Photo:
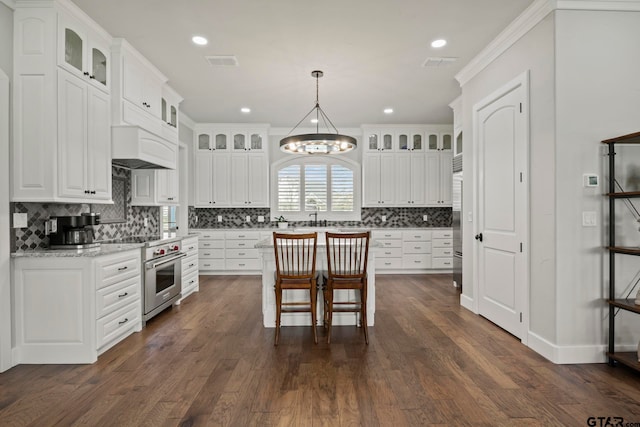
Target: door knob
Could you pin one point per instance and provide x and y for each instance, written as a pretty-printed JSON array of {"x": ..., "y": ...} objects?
[{"x": 479, "y": 237}]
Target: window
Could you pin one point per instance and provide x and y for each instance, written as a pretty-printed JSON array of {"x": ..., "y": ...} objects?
[
  {"x": 168, "y": 222},
  {"x": 326, "y": 185}
]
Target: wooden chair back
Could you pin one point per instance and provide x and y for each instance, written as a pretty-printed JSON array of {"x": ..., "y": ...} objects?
[
  {"x": 347, "y": 255},
  {"x": 295, "y": 255}
]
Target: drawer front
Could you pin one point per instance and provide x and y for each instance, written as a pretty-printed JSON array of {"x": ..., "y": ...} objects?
[
  {"x": 118, "y": 324},
  {"x": 416, "y": 261},
  {"x": 111, "y": 298},
  {"x": 442, "y": 234},
  {"x": 241, "y": 244},
  {"x": 243, "y": 264},
  {"x": 388, "y": 263},
  {"x": 211, "y": 254},
  {"x": 442, "y": 263},
  {"x": 114, "y": 270},
  {"x": 190, "y": 245},
  {"x": 211, "y": 235},
  {"x": 441, "y": 252},
  {"x": 416, "y": 247},
  {"x": 416, "y": 235},
  {"x": 442, "y": 243},
  {"x": 210, "y": 264},
  {"x": 189, "y": 265},
  {"x": 211, "y": 244},
  {"x": 390, "y": 243},
  {"x": 389, "y": 253},
  {"x": 189, "y": 282},
  {"x": 242, "y": 235},
  {"x": 386, "y": 234},
  {"x": 242, "y": 253}
]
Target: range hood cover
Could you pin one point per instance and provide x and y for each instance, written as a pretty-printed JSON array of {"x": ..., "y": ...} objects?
[{"x": 136, "y": 148}]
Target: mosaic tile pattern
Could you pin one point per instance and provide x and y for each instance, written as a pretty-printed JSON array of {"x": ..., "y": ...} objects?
[
  {"x": 371, "y": 217},
  {"x": 33, "y": 236}
]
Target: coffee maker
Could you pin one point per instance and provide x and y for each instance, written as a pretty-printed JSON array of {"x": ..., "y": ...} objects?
[{"x": 73, "y": 232}]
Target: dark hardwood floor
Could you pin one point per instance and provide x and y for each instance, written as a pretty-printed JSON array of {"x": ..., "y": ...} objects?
[{"x": 210, "y": 362}]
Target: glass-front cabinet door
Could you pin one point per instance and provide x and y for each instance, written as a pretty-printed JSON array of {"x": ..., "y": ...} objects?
[
  {"x": 447, "y": 141},
  {"x": 239, "y": 142},
  {"x": 387, "y": 141},
  {"x": 432, "y": 141},
  {"x": 221, "y": 141},
  {"x": 82, "y": 55},
  {"x": 256, "y": 142},
  {"x": 204, "y": 142}
]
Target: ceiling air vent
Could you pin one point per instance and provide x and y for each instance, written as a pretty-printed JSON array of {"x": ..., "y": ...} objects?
[
  {"x": 438, "y": 62},
  {"x": 222, "y": 60}
]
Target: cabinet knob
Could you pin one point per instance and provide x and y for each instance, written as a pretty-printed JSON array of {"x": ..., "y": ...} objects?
[
  {"x": 93, "y": 192},
  {"x": 85, "y": 73},
  {"x": 92, "y": 77}
]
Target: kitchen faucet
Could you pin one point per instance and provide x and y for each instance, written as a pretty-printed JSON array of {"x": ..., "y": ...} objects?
[{"x": 314, "y": 223}]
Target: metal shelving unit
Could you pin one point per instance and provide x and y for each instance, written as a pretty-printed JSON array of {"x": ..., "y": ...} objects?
[{"x": 629, "y": 359}]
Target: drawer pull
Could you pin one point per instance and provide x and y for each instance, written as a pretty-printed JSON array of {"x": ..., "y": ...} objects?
[
  {"x": 124, "y": 321},
  {"x": 417, "y": 247},
  {"x": 241, "y": 253},
  {"x": 447, "y": 263},
  {"x": 241, "y": 236},
  {"x": 192, "y": 282},
  {"x": 240, "y": 244},
  {"x": 123, "y": 295},
  {"x": 387, "y": 243},
  {"x": 387, "y": 235},
  {"x": 387, "y": 253},
  {"x": 418, "y": 237},
  {"x": 207, "y": 253},
  {"x": 387, "y": 263},
  {"x": 418, "y": 262},
  {"x": 206, "y": 244},
  {"x": 122, "y": 268},
  {"x": 241, "y": 265},
  {"x": 191, "y": 248},
  {"x": 191, "y": 265}
]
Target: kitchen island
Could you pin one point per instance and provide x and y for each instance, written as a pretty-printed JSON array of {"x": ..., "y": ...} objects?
[{"x": 267, "y": 255}]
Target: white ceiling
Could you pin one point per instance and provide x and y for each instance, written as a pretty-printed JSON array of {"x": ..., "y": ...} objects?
[{"x": 371, "y": 52}]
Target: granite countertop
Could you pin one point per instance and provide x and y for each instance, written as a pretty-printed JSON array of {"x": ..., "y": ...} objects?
[
  {"x": 319, "y": 228},
  {"x": 103, "y": 249}
]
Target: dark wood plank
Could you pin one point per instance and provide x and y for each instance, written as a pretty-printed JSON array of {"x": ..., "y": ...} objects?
[{"x": 209, "y": 362}]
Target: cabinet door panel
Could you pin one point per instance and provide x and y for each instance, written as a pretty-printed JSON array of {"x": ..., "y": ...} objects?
[
  {"x": 203, "y": 181},
  {"x": 99, "y": 145},
  {"x": 433, "y": 178},
  {"x": 72, "y": 134},
  {"x": 418, "y": 179},
  {"x": 446, "y": 178},
  {"x": 387, "y": 179},
  {"x": 403, "y": 179},
  {"x": 258, "y": 185},
  {"x": 239, "y": 180},
  {"x": 220, "y": 176},
  {"x": 371, "y": 180}
]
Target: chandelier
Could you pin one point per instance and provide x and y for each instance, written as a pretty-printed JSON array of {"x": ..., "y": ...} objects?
[{"x": 317, "y": 143}]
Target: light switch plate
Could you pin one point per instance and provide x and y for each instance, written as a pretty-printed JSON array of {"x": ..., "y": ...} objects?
[
  {"x": 219, "y": 218},
  {"x": 248, "y": 218},
  {"x": 383, "y": 218},
  {"x": 260, "y": 218},
  {"x": 19, "y": 220},
  {"x": 425, "y": 217},
  {"x": 146, "y": 222},
  {"x": 589, "y": 219}
]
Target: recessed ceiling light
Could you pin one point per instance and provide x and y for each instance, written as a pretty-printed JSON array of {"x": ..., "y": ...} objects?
[
  {"x": 245, "y": 110},
  {"x": 388, "y": 110},
  {"x": 199, "y": 40},
  {"x": 314, "y": 120},
  {"x": 438, "y": 43}
]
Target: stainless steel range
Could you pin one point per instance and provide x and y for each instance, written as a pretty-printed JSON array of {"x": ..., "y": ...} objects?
[{"x": 162, "y": 272}]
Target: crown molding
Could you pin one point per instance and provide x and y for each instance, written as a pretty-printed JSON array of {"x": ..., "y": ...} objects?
[
  {"x": 11, "y": 4},
  {"x": 531, "y": 16}
]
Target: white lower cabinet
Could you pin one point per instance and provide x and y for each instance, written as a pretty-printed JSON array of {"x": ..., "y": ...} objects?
[
  {"x": 413, "y": 250},
  {"x": 190, "y": 268},
  {"x": 230, "y": 251},
  {"x": 71, "y": 309}
]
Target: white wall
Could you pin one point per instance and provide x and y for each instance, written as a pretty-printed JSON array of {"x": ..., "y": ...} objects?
[
  {"x": 534, "y": 52},
  {"x": 598, "y": 97}
]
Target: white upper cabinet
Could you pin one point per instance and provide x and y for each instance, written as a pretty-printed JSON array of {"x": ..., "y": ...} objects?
[
  {"x": 157, "y": 187},
  {"x": 61, "y": 150},
  {"x": 377, "y": 140},
  {"x": 169, "y": 112},
  {"x": 83, "y": 52},
  {"x": 411, "y": 141},
  {"x": 248, "y": 141},
  {"x": 439, "y": 141},
  {"x": 378, "y": 183}
]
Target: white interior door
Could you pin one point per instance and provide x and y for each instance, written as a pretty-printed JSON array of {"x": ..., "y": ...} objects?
[{"x": 502, "y": 143}]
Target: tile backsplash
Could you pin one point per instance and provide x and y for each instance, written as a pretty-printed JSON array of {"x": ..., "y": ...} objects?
[
  {"x": 371, "y": 217},
  {"x": 33, "y": 236}
]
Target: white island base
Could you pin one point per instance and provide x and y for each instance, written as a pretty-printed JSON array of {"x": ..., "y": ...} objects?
[{"x": 304, "y": 319}]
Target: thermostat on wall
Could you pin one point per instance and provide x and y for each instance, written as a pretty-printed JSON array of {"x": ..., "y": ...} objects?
[{"x": 590, "y": 180}]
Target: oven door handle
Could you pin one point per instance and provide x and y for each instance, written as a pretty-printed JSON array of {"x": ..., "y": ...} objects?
[{"x": 166, "y": 261}]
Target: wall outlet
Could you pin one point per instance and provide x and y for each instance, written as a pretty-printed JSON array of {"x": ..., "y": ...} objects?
[
  {"x": 383, "y": 218},
  {"x": 248, "y": 218},
  {"x": 425, "y": 217},
  {"x": 589, "y": 219},
  {"x": 19, "y": 220},
  {"x": 146, "y": 222},
  {"x": 260, "y": 218},
  {"x": 219, "y": 218}
]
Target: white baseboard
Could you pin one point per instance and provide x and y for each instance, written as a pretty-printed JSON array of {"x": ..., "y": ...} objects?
[
  {"x": 466, "y": 302},
  {"x": 567, "y": 354}
]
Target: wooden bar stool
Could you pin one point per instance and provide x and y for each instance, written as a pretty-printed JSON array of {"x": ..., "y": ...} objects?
[
  {"x": 347, "y": 255},
  {"x": 295, "y": 269}
]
